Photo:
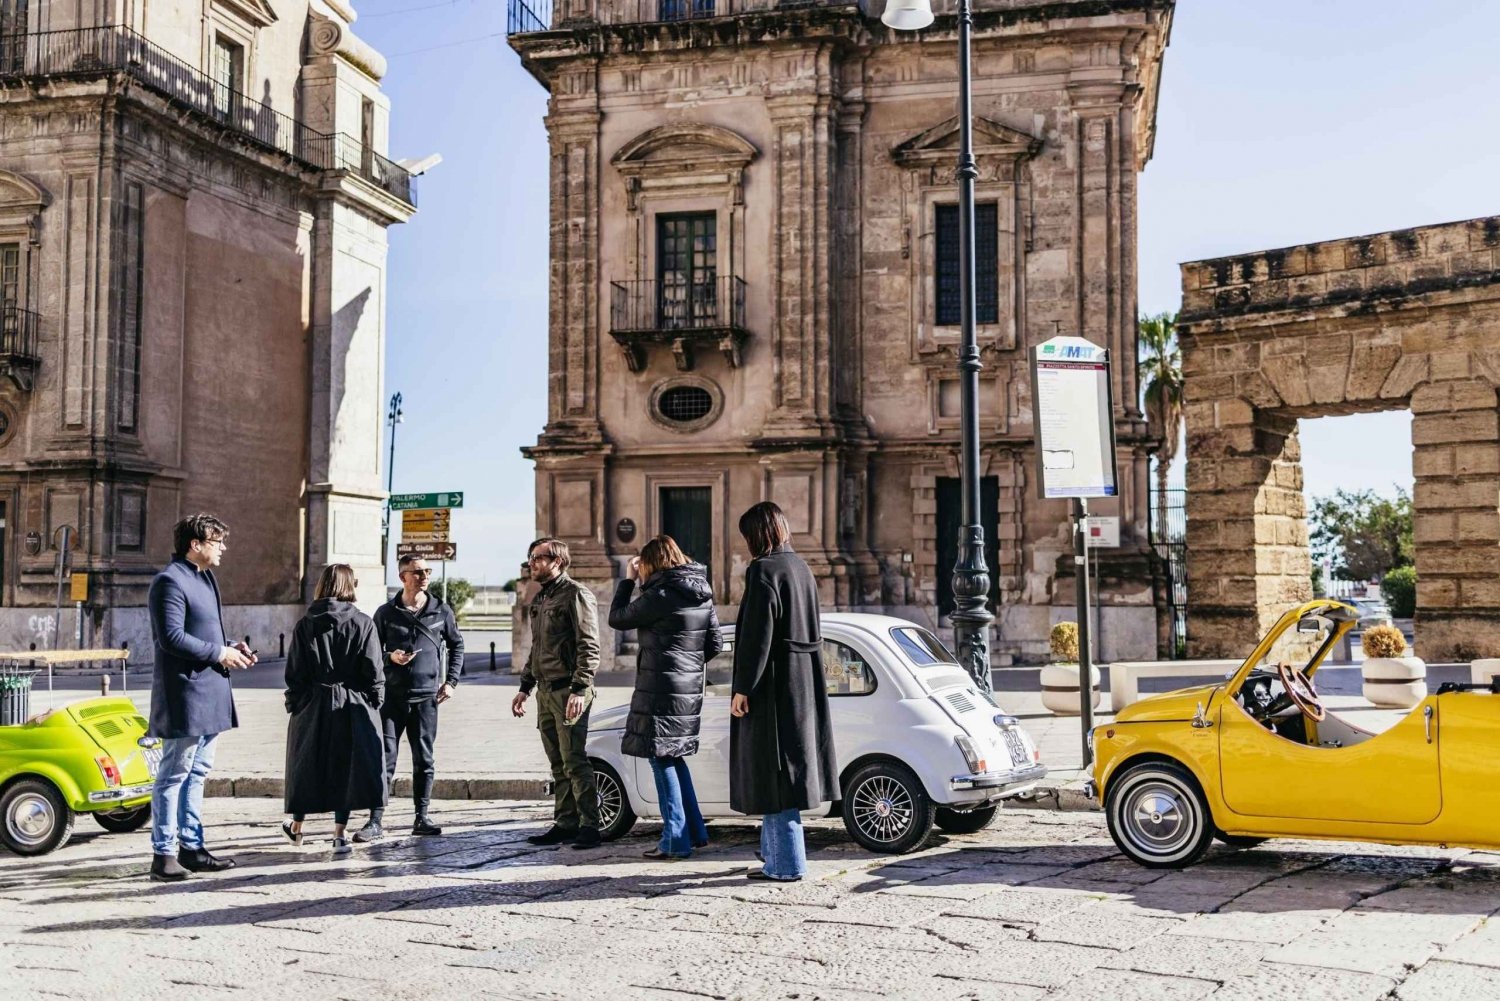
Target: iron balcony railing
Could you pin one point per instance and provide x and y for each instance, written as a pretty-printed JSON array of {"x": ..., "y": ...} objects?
[
  {"x": 524, "y": 16},
  {"x": 17, "y": 332},
  {"x": 668, "y": 305},
  {"x": 521, "y": 17},
  {"x": 115, "y": 49}
]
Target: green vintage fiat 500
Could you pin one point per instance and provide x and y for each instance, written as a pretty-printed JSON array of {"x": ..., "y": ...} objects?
[{"x": 88, "y": 757}]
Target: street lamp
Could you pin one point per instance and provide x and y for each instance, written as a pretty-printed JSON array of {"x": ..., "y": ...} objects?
[
  {"x": 971, "y": 579},
  {"x": 393, "y": 417}
]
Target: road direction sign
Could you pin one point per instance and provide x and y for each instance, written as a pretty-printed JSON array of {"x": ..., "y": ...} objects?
[
  {"x": 435, "y": 551},
  {"x": 429, "y": 520},
  {"x": 418, "y": 502},
  {"x": 442, "y": 536}
]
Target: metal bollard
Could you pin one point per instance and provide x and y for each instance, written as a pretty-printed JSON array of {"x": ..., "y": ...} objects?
[
  {"x": 281, "y": 644},
  {"x": 103, "y": 685},
  {"x": 492, "y": 656}
]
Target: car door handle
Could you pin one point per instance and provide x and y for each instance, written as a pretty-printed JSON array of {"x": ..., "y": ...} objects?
[{"x": 1427, "y": 715}]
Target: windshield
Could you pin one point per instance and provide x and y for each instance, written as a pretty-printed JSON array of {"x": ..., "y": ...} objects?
[{"x": 921, "y": 647}]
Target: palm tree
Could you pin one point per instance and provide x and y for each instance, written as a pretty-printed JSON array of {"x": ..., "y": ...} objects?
[{"x": 1159, "y": 369}]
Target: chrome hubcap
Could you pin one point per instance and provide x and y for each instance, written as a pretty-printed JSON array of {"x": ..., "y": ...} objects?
[
  {"x": 883, "y": 809},
  {"x": 1159, "y": 818},
  {"x": 609, "y": 800},
  {"x": 30, "y": 819}
]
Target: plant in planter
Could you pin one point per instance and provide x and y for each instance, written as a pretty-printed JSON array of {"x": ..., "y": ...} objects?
[
  {"x": 1392, "y": 680},
  {"x": 1060, "y": 678}
]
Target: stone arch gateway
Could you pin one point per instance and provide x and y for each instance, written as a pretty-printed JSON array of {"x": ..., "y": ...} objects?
[{"x": 1404, "y": 319}]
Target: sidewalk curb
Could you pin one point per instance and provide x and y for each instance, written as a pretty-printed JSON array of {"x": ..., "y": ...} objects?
[{"x": 1067, "y": 797}]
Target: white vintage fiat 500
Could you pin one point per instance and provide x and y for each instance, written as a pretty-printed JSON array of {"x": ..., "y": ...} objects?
[{"x": 918, "y": 744}]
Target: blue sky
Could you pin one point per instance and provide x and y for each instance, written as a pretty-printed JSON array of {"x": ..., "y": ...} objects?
[{"x": 1281, "y": 122}]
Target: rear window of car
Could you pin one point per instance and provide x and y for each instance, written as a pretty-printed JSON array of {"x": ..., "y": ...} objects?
[{"x": 921, "y": 647}]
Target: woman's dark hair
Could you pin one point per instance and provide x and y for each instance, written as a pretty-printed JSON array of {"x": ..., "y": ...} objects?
[
  {"x": 764, "y": 527},
  {"x": 662, "y": 553},
  {"x": 337, "y": 582},
  {"x": 196, "y": 528}
]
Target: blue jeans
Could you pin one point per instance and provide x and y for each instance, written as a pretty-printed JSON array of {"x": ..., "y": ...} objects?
[
  {"x": 781, "y": 845},
  {"x": 177, "y": 800},
  {"x": 682, "y": 826}
]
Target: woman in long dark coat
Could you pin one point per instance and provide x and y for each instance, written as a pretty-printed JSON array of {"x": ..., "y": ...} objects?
[
  {"x": 678, "y": 631},
  {"x": 781, "y": 753},
  {"x": 335, "y": 755}
]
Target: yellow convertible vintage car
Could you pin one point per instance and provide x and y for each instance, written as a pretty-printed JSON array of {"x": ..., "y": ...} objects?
[{"x": 1259, "y": 756}]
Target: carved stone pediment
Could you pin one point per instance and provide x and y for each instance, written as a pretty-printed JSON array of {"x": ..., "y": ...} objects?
[
  {"x": 17, "y": 193},
  {"x": 939, "y": 144},
  {"x": 256, "y": 12},
  {"x": 685, "y": 154}
]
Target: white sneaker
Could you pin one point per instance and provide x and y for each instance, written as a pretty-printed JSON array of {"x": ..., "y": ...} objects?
[{"x": 341, "y": 846}]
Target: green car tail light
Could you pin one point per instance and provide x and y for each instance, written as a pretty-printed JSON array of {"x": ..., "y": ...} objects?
[{"x": 108, "y": 769}]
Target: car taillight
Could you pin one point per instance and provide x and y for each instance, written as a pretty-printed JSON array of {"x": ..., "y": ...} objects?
[
  {"x": 108, "y": 769},
  {"x": 971, "y": 753}
]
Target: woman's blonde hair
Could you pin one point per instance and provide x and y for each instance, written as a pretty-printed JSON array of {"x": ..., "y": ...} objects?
[
  {"x": 337, "y": 582},
  {"x": 662, "y": 553}
]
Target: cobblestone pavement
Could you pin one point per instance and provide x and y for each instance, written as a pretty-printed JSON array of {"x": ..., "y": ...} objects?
[{"x": 1039, "y": 906}]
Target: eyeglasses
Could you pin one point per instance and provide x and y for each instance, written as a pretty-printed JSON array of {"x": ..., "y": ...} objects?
[
  {"x": 418, "y": 573},
  {"x": 214, "y": 542},
  {"x": 542, "y": 557}
]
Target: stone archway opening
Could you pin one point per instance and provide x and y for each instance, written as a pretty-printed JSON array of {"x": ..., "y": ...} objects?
[{"x": 1398, "y": 320}]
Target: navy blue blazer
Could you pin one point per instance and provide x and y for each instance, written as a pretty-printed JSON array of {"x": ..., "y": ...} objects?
[{"x": 191, "y": 695}]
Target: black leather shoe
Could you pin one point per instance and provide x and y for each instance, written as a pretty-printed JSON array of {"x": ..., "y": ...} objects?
[
  {"x": 166, "y": 869},
  {"x": 760, "y": 875},
  {"x": 553, "y": 836},
  {"x": 372, "y": 831},
  {"x": 425, "y": 828},
  {"x": 200, "y": 860},
  {"x": 588, "y": 837}
]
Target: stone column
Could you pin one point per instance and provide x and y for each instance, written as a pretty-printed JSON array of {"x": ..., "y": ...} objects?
[
  {"x": 1456, "y": 463},
  {"x": 1247, "y": 525}
]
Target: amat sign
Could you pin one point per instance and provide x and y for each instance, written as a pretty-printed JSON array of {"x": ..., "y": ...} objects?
[
  {"x": 1073, "y": 413},
  {"x": 418, "y": 502}
]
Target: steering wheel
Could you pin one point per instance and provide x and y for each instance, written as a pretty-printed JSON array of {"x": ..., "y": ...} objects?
[{"x": 1299, "y": 688}]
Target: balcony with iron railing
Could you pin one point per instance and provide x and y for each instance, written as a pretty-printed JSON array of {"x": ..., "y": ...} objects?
[
  {"x": 18, "y": 348},
  {"x": 687, "y": 315},
  {"x": 89, "y": 52},
  {"x": 526, "y": 16}
]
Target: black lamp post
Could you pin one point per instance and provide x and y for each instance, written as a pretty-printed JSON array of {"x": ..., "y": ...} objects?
[
  {"x": 393, "y": 417},
  {"x": 971, "y": 578}
]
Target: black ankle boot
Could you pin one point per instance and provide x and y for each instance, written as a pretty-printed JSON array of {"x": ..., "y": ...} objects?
[
  {"x": 166, "y": 869},
  {"x": 200, "y": 860}
]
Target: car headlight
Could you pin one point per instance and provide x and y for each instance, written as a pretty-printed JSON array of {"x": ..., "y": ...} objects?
[{"x": 970, "y": 751}]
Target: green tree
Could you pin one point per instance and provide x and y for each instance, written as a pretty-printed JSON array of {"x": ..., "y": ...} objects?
[
  {"x": 457, "y": 594},
  {"x": 509, "y": 587},
  {"x": 1400, "y": 591},
  {"x": 1362, "y": 535},
  {"x": 1159, "y": 368}
]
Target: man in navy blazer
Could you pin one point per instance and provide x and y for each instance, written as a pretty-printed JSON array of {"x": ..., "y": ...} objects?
[{"x": 192, "y": 701}]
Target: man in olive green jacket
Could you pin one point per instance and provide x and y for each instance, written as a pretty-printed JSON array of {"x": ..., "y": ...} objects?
[{"x": 564, "y": 657}]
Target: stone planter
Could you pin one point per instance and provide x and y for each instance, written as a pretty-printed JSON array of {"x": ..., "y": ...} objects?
[
  {"x": 1394, "y": 682},
  {"x": 1060, "y": 688}
]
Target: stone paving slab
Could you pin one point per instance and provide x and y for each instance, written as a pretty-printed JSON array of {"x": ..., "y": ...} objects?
[{"x": 1038, "y": 906}]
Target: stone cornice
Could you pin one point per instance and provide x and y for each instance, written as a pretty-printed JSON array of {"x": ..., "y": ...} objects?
[
  {"x": 351, "y": 189},
  {"x": 991, "y": 139}
]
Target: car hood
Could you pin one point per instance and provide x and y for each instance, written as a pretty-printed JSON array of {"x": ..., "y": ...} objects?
[
  {"x": 1178, "y": 705},
  {"x": 609, "y": 719}
]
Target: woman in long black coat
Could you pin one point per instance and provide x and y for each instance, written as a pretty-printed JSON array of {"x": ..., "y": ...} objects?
[
  {"x": 782, "y": 760},
  {"x": 335, "y": 755},
  {"x": 678, "y": 631}
]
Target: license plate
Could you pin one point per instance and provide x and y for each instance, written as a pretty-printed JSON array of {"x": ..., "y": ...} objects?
[
  {"x": 1016, "y": 746},
  {"x": 153, "y": 760}
]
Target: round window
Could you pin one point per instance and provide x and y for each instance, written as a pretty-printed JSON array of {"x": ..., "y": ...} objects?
[{"x": 685, "y": 404}]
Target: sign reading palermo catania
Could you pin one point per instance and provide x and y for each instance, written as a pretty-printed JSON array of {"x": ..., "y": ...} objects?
[
  {"x": 419, "y": 502},
  {"x": 1072, "y": 404}
]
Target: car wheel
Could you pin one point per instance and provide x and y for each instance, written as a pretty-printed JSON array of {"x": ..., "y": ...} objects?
[
  {"x": 964, "y": 823},
  {"x": 616, "y": 818},
  {"x": 1238, "y": 840},
  {"x": 124, "y": 821},
  {"x": 1158, "y": 817},
  {"x": 34, "y": 819},
  {"x": 886, "y": 809}
]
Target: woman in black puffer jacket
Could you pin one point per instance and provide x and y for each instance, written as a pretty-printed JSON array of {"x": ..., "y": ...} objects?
[{"x": 678, "y": 630}]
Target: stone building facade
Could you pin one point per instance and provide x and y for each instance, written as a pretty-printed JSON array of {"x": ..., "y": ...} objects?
[
  {"x": 193, "y": 216},
  {"x": 1399, "y": 320},
  {"x": 754, "y": 286}
]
